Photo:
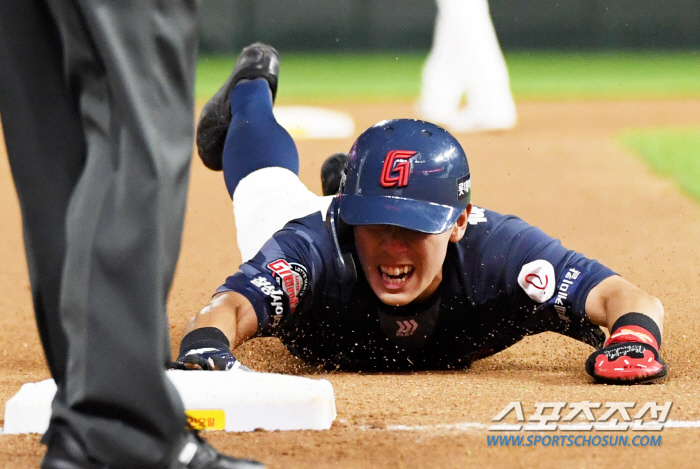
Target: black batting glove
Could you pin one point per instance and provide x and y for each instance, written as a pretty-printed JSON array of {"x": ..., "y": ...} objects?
[{"x": 206, "y": 348}]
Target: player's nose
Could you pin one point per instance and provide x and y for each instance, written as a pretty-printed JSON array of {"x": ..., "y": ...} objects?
[{"x": 394, "y": 241}]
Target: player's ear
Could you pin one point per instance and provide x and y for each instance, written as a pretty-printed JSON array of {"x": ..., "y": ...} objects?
[{"x": 460, "y": 226}]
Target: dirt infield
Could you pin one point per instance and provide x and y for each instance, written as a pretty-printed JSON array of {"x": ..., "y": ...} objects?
[{"x": 561, "y": 170}]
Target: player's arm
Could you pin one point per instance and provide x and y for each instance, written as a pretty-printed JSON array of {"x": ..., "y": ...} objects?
[
  {"x": 614, "y": 297},
  {"x": 231, "y": 313},
  {"x": 259, "y": 298},
  {"x": 635, "y": 322},
  {"x": 208, "y": 338}
]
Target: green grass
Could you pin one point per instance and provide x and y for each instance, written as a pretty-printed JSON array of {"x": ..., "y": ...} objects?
[
  {"x": 366, "y": 77},
  {"x": 671, "y": 152},
  {"x": 605, "y": 75},
  {"x": 392, "y": 77}
]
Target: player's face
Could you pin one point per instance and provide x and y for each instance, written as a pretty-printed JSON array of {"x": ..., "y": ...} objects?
[{"x": 403, "y": 265}]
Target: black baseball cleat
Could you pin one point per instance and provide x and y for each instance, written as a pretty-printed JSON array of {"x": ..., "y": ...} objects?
[
  {"x": 256, "y": 61},
  {"x": 66, "y": 451},
  {"x": 332, "y": 173},
  {"x": 198, "y": 454}
]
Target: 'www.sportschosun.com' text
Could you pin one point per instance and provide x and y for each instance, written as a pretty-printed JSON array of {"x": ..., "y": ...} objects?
[{"x": 573, "y": 440}]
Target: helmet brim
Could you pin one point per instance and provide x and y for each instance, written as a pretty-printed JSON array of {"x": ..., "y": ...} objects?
[{"x": 417, "y": 215}]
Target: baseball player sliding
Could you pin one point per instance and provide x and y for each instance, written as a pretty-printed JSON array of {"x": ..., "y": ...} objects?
[{"x": 397, "y": 271}]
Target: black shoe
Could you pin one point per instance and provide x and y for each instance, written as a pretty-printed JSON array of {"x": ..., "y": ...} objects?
[
  {"x": 66, "y": 451},
  {"x": 256, "y": 61},
  {"x": 198, "y": 454},
  {"x": 332, "y": 172}
]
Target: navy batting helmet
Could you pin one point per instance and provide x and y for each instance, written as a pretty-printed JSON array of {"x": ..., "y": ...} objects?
[{"x": 407, "y": 173}]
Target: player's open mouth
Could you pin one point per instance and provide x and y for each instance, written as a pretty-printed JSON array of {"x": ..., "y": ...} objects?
[{"x": 395, "y": 275}]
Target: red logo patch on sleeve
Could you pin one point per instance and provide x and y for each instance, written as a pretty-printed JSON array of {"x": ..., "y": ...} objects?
[{"x": 292, "y": 277}]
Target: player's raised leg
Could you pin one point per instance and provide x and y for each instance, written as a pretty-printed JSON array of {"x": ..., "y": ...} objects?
[
  {"x": 258, "y": 156},
  {"x": 255, "y": 140},
  {"x": 256, "y": 61}
]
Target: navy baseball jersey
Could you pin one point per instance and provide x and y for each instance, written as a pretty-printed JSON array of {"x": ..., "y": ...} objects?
[{"x": 503, "y": 281}]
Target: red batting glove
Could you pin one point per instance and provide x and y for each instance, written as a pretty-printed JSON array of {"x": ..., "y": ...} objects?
[{"x": 631, "y": 354}]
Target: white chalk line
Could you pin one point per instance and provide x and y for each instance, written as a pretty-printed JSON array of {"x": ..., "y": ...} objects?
[
  {"x": 471, "y": 426},
  {"x": 682, "y": 424}
]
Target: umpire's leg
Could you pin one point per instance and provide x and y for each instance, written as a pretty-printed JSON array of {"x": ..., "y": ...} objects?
[
  {"x": 131, "y": 67},
  {"x": 134, "y": 63},
  {"x": 46, "y": 149}
]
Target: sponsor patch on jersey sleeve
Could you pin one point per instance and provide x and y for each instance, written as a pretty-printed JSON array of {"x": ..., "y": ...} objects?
[
  {"x": 536, "y": 278},
  {"x": 293, "y": 278},
  {"x": 274, "y": 299},
  {"x": 478, "y": 215}
]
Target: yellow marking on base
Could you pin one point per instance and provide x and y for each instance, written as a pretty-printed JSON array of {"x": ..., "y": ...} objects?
[{"x": 209, "y": 419}]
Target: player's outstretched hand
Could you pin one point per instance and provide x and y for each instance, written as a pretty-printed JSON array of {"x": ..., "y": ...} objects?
[
  {"x": 206, "y": 348},
  {"x": 207, "y": 358},
  {"x": 630, "y": 356}
]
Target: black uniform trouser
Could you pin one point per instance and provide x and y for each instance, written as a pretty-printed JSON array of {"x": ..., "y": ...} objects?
[{"x": 96, "y": 102}]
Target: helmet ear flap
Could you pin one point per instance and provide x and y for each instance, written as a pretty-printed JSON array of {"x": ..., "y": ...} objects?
[
  {"x": 343, "y": 262},
  {"x": 347, "y": 271}
]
